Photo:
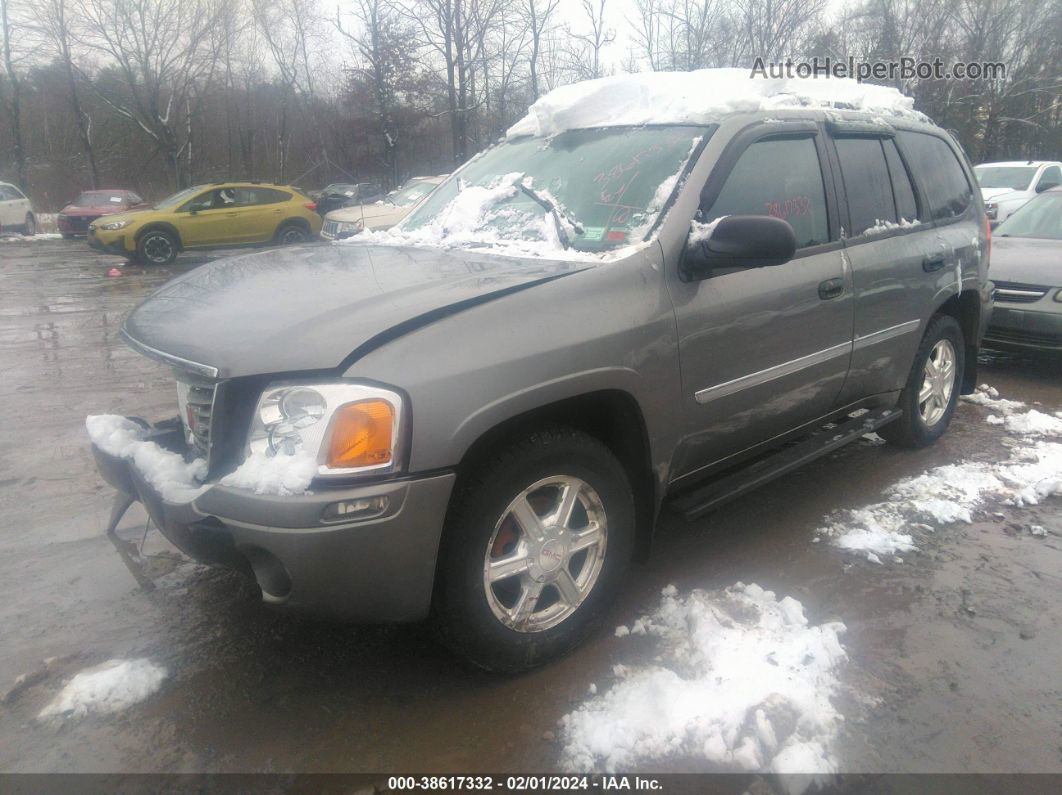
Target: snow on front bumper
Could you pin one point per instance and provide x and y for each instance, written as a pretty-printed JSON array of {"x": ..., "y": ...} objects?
[{"x": 266, "y": 520}]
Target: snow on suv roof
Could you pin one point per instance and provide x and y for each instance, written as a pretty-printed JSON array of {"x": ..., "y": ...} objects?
[
  {"x": 698, "y": 97},
  {"x": 1030, "y": 163}
]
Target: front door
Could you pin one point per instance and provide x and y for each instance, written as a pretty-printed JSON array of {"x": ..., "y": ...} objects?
[
  {"x": 210, "y": 219},
  {"x": 765, "y": 350}
]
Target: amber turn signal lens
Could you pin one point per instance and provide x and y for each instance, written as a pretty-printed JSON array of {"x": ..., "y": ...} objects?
[{"x": 361, "y": 435}]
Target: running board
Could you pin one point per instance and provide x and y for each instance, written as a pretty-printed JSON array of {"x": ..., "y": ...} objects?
[{"x": 696, "y": 503}]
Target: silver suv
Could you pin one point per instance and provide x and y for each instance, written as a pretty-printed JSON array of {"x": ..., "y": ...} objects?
[{"x": 478, "y": 417}]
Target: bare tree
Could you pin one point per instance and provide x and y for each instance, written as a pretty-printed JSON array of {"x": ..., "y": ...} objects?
[
  {"x": 55, "y": 26},
  {"x": 12, "y": 91},
  {"x": 163, "y": 50},
  {"x": 586, "y": 52},
  {"x": 538, "y": 15}
]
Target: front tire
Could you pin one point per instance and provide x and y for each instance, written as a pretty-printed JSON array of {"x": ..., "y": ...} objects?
[
  {"x": 156, "y": 247},
  {"x": 536, "y": 540},
  {"x": 929, "y": 398}
]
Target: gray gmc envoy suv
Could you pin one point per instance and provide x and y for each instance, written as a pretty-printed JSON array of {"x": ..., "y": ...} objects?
[{"x": 485, "y": 410}]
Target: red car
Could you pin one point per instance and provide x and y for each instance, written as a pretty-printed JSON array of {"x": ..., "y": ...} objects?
[{"x": 74, "y": 219}]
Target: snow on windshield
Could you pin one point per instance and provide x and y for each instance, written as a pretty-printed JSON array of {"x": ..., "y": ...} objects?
[
  {"x": 581, "y": 194},
  {"x": 698, "y": 97}
]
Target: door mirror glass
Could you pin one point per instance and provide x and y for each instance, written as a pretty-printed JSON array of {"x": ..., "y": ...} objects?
[{"x": 738, "y": 242}]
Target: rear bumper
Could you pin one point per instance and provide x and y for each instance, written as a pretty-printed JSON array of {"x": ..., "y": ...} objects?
[
  {"x": 376, "y": 570},
  {"x": 1024, "y": 329}
]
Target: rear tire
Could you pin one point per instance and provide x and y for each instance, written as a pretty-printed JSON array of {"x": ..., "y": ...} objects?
[
  {"x": 929, "y": 398},
  {"x": 291, "y": 234},
  {"x": 564, "y": 572},
  {"x": 156, "y": 247},
  {"x": 29, "y": 228}
]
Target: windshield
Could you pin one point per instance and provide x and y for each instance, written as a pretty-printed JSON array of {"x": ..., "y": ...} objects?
[
  {"x": 411, "y": 193},
  {"x": 98, "y": 198},
  {"x": 594, "y": 190},
  {"x": 340, "y": 189},
  {"x": 180, "y": 197},
  {"x": 1041, "y": 217},
  {"x": 1012, "y": 177}
]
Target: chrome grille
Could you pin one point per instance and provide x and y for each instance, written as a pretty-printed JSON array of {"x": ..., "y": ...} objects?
[
  {"x": 330, "y": 228},
  {"x": 1018, "y": 293},
  {"x": 195, "y": 398}
]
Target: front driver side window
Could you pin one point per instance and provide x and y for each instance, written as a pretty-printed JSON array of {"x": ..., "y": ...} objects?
[
  {"x": 204, "y": 201},
  {"x": 1051, "y": 177},
  {"x": 779, "y": 177}
]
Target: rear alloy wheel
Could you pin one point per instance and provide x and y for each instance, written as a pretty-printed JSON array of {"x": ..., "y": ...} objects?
[
  {"x": 29, "y": 229},
  {"x": 291, "y": 234},
  {"x": 156, "y": 247},
  {"x": 928, "y": 399},
  {"x": 536, "y": 540}
]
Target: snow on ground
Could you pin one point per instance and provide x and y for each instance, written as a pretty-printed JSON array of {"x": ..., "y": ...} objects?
[
  {"x": 698, "y": 97},
  {"x": 180, "y": 481},
  {"x": 954, "y": 492},
  {"x": 174, "y": 478},
  {"x": 7, "y": 237},
  {"x": 739, "y": 679},
  {"x": 111, "y": 687}
]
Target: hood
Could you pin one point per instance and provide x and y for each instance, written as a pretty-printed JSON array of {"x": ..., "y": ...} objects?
[
  {"x": 1028, "y": 260},
  {"x": 370, "y": 212},
  {"x": 102, "y": 209},
  {"x": 1001, "y": 194},
  {"x": 313, "y": 307}
]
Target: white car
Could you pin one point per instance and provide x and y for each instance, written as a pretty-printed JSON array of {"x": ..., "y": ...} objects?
[
  {"x": 349, "y": 221},
  {"x": 1007, "y": 186},
  {"x": 16, "y": 213}
]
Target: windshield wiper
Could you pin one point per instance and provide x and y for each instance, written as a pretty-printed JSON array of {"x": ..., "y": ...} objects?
[{"x": 559, "y": 218}]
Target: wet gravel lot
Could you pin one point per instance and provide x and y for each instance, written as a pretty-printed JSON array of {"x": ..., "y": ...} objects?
[{"x": 953, "y": 654}]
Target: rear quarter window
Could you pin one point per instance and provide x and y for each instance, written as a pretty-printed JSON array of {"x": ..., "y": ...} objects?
[{"x": 948, "y": 193}]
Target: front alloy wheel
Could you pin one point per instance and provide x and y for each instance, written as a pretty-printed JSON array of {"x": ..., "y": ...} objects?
[
  {"x": 537, "y": 537},
  {"x": 545, "y": 554},
  {"x": 157, "y": 248}
]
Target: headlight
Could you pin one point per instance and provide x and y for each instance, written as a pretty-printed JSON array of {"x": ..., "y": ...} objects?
[
  {"x": 114, "y": 225},
  {"x": 348, "y": 428},
  {"x": 349, "y": 228},
  {"x": 1058, "y": 296},
  {"x": 991, "y": 209}
]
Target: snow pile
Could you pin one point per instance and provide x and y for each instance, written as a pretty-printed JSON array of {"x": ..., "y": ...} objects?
[
  {"x": 172, "y": 477},
  {"x": 283, "y": 475},
  {"x": 698, "y": 97},
  {"x": 111, "y": 687},
  {"x": 883, "y": 226},
  {"x": 741, "y": 680},
  {"x": 945, "y": 495},
  {"x": 8, "y": 238},
  {"x": 1011, "y": 416}
]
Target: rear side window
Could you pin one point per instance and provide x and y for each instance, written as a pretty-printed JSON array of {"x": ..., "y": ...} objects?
[
  {"x": 902, "y": 190},
  {"x": 247, "y": 197},
  {"x": 1051, "y": 177},
  {"x": 780, "y": 177},
  {"x": 866, "y": 184},
  {"x": 947, "y": 191}
]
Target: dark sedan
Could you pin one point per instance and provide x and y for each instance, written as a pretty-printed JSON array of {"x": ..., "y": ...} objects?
[{"x": 1027, "y": 271}]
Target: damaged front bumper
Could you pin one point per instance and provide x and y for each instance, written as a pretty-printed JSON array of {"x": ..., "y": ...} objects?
[{"x": 301, "y": 551}]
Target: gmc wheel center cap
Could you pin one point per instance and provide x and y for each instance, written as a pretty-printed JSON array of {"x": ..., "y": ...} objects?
[{"x": 551, "y": 556}]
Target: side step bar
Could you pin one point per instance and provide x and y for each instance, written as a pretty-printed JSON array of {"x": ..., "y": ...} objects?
[{"x": 696, "y": 503}]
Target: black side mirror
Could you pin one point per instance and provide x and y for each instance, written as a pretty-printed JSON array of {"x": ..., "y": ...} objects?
[
  {"x": 738, "y": 241},
  {"x": 1042, "y": 186}
]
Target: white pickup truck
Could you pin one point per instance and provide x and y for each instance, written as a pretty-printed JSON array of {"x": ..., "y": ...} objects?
[{"x": 1007, "y": 186}]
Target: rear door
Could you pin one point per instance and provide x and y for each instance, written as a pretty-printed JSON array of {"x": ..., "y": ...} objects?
[
  {"x": 260, "y": 211},
  {"x": 886, "y": 244},
  {"x": 765, "y": 350}
]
